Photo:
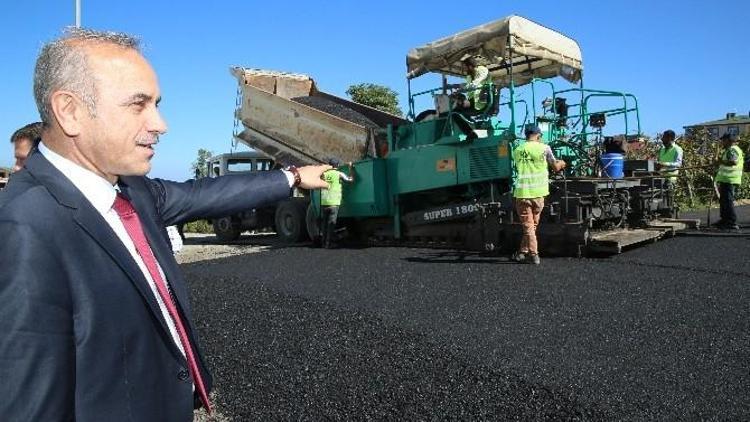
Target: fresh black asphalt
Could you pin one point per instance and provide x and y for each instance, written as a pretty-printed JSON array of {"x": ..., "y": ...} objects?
[{"x": 656, "y": 333}]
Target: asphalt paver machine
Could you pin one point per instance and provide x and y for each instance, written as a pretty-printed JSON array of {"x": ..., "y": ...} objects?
[{"x": 444, "y": 177}]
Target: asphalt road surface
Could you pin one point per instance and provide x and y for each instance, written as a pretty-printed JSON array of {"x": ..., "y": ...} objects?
[{"x": 656, "y": 333}]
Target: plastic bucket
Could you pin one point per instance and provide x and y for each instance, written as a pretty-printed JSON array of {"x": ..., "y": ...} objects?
[{"x": 612, "y": 165}]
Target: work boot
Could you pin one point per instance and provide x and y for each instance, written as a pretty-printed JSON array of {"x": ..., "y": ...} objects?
[
  {"x": 518, "y": 257},
  {"x": 533, "y": 259}
]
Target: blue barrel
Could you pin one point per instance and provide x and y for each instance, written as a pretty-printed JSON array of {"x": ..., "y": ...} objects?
[{"x": 612, "y": 165}]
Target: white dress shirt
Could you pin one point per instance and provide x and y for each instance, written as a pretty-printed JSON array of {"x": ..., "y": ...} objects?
[{"x": 101, "y": 194}]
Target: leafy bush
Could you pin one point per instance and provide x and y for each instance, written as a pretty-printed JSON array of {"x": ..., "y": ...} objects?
[{"x": 199, "y": 226}]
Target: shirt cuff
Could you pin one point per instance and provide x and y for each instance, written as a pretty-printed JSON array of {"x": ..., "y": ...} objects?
[{"x": 289, "y": 177}]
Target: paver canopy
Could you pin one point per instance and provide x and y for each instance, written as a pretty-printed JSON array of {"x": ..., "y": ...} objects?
[{"x": 535, "y": 51}]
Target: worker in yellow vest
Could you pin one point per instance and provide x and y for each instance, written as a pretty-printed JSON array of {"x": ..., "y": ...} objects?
[
  {"x": 476, "y": 78},
  {"x": 728, "y": 179},
  {"x": 532, "y": 160},
  {"x": 669, "y": 159},
  {"x": 330, "y": 199},
  {"x": 472, "y": 97}
]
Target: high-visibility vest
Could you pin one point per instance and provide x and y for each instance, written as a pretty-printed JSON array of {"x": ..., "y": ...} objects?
[
  {"x": 731, "y": 174},
  {"x": 332, "y": 195},
  {"x": 669, "y": 155},
  {"x": 532, "y": 174}
]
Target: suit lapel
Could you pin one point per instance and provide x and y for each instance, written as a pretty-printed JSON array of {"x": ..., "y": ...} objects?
[
  {"x": 89, "y": 219},
  {"x": 100, "y": 232}
]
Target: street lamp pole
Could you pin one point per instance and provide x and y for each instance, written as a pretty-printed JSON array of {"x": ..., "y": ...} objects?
[{"x": 78, "y": 13}]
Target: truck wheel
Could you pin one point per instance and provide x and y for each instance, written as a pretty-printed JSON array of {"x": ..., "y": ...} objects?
[
  {"x": 227, "y": 229},
  {"x": 313, "y": 225},
  {"x": 290, "y": 221}
]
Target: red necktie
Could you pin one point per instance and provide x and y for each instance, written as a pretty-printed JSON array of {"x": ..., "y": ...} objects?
[{"x": 132, "y": 224}]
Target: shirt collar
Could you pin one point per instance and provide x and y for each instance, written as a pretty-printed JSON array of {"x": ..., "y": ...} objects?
[{"x": 95, "y": 188}]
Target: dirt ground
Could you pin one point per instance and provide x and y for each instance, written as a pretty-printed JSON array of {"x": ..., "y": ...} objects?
[{"x": 202, "y": 247}]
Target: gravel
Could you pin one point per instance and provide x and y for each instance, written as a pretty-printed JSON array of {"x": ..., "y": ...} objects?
[
  {"x": 657, "y": 333},
  {"x": 336, "y": 109}
]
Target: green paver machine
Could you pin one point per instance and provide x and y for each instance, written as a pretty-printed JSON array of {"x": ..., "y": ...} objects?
[{"x": 444, "y": 177}]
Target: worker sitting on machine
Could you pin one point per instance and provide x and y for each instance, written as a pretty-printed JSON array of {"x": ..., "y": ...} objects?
[{"x": 474, "y": 97}]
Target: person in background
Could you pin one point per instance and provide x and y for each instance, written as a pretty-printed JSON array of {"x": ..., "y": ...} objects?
[
  {"x": 532, "y": 160},
  {"x": 669, "y": 158},
  {"x": 330, "y": 199},
  {"x": 23, "y": 140},
  {"x": 95, "y": 322},
  {"x": 728, "y": 179}
]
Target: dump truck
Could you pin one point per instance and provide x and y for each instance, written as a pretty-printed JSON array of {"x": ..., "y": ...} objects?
[
  {"x": 229, "y": 227},
  {"x": 444, "y": 177},
  {"x": 286, "y": 218}
]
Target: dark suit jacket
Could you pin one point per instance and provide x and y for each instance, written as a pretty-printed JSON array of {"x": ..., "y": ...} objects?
[{"x": 81, "y": 335}]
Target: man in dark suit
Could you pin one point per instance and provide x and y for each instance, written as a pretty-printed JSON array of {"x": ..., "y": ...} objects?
[
  {"x": 23, "y": 141},
  {"x": 95, "y": 322}
]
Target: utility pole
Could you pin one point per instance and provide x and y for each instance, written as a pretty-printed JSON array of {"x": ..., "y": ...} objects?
[{"x": 78, "y": 13}]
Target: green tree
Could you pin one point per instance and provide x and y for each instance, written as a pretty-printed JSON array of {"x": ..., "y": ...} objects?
[
  {"x": 199, "y": 166},
  {"x": 376, "y": 96}
]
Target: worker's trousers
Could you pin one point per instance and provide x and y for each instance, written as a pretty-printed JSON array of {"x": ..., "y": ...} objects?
[
  {"x": 726, "y": 203},
  {"x": 330, "y": 216},
  {"x": 529, "y": 210}
]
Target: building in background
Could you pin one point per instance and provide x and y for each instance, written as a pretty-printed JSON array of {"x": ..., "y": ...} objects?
[{"x": 733, "y": 124}]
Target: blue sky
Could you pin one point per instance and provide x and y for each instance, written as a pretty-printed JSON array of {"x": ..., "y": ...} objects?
[{"x": 686, "y": 61}]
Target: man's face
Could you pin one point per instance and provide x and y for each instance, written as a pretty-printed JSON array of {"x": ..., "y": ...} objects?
[
  {"x": 667, "y": 140},
  {"x": 21, "y": 148},
  {"x": 119, "y": 139}
]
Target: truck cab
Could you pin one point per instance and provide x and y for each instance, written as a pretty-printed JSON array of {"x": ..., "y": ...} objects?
[{"x": 230, "y": 227}]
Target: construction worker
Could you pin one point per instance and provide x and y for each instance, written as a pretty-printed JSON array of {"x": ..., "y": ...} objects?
[
  {"x": 669, "y": 159},
  {"x": 330, "y": 199},
  {"x": 532, "y": 160},
  {"x": 728, "y": 179},
  {"x": 23, "y": 141},
  {"x": 476, "y": 77},
  {"x": 473, "y": 99}
]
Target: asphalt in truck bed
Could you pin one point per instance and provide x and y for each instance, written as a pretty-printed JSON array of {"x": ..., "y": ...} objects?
[{"x": 656, "y": 333}]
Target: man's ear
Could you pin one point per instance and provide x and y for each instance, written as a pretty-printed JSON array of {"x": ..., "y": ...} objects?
[{"x": 69, "y": 111}]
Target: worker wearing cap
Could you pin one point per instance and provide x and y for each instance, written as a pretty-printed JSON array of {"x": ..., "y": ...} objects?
[
  {"x": 474, "y": 98},
  {"x": 728, "y": 179},
  {"x": 532, "y": 160},
  {"x": 330, "y": 199},
  {"x": 477, "y": 76},
  {"x": 669, "y": 157}
]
